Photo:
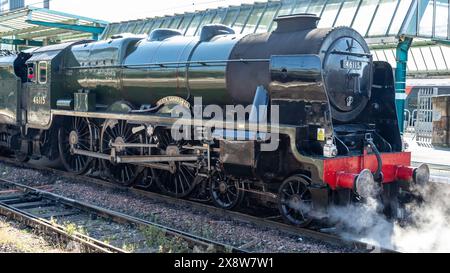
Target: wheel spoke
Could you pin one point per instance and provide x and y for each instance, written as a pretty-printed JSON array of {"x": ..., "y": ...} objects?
[
  {"x": 72, "y": 162},
  {"x": 295, "y": 201},
  {"x": 232, "y": 193},
  {"x": 124, "y": 174},
  {"x": 176, "y": 187},
  {"x": 225, "y": 192},
  {"x": 285, "y": 192},
  {"x": 292, "y": 188}
]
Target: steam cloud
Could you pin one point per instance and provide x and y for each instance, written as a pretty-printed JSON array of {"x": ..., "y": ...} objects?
[{"x": 429, "y": 230}]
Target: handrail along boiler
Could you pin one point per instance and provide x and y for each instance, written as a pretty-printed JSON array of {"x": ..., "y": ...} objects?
[{"x": 108, "y": 105}]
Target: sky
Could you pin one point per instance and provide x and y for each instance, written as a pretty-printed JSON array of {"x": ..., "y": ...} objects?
[{"x": 121, "y": 10}]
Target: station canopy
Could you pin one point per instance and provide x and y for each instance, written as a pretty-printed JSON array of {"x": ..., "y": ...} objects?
[
  {"x": 381, "y": 22},
  {"x": 33, "y": 26}
]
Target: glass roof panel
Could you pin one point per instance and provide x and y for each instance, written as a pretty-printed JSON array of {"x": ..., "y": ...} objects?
[
  {"x": 441, "y": 27},
  {"x": 241, "y": 19},
  {"x": 411, "y": 62},
  {"x": 446, "y": 53},
  {"x": 185, "y": 22},
  {"x": 316, "y": 7},
  {"x": 438, "y": 58},
  {"x": 139, "y": 26},
  {"x": 254, "y": 19},
  {"x": 347, "y": 13},
  {"x": 382, "y": 56},
  {"x": 194, "y": 25},
  {"x": 148, "y": 26},
  {"x": 329, "y": 13},
  {"x": 267, "y": 18},
  {"x": 383, "y": 18},
  {"x": 157, "y": 24},
  {"x": 411, "y": 28},
  {"x": 107, "y": 32},
  {"x": 429, "y": 58},
  {"x": 364, "y": 15},
  {"x": 426, "y": 22},
  {"x": 175, "y": 22},
  {"x": 390, "y": 55},
  {"x": 166, "y": 23},
  {"x": 399, "y": 16},
  {"x": 122, "y": 27},
  {"x": 418, "y": 58},
  {"x": 231, "y": 16},
  {"x": 301, "y": 6},
  {"x": 374, "y": 18},
  {"x": 209, "y": 17},
  {"x": 218, "y": 17},
  {"x": 206, "y": 20},
  {"x": 130, "y": 27},
  {"x": 114, "y": 30},
  {"x": 287, "y": 6},
  {"x": 376, "y": 55}
]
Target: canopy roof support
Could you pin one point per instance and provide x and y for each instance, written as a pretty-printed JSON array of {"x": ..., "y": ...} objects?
[
  {"x": 48, "y": 26},
  {"x": 20, "y": 42},
  {"x": 400, "y": 77},
  {"x": 95, "y": 30}
]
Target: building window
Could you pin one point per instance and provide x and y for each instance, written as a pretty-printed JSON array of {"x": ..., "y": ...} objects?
[{"x": 43, "y": 67}]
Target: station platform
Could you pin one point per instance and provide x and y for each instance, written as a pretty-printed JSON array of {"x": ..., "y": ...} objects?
[{"x": 438, "y": 159}]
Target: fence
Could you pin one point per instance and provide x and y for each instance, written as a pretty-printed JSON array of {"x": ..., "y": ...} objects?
[{"x": 423, "y": 125}]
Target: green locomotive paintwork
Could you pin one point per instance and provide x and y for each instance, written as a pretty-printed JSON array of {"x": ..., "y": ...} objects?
[{"x": 10, "y": 90}]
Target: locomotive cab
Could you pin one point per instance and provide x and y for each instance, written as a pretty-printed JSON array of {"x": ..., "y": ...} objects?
[
  {"x": 12, "y": 76},
  {"x": 45, "y": 83}
]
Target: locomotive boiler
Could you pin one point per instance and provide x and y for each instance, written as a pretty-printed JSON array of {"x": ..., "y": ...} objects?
[
  {"x": 110, "y": 104},
  {"x": 210, "y": 66}
]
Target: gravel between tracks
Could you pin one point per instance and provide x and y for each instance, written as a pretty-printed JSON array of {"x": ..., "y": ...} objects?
[
  {"x": 188, "y": 219},
  {"x": 15, "y": 238}
]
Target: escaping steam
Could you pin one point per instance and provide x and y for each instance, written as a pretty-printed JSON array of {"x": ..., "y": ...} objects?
[{"x": 427, "y": 231}]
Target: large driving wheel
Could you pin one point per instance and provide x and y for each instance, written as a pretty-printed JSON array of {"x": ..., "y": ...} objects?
[
  {"x": 295, "y": 201},
  {"x": 225, "y": 192},
  {"x": 179, "y": 178},
  {"x": 121, "y": 132},
  {"x": 76, "y": 132}
]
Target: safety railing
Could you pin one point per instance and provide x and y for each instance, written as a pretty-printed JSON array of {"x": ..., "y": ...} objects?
[
  {"x": 424, "y": 122},
  {"x": 410, "y": 118}
]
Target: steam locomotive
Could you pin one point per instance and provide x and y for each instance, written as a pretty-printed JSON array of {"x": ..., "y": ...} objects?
[{"x": 111, "y": 106}]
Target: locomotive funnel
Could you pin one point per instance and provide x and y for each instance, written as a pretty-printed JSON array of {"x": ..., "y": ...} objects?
[{"x": 296, "y": 22}]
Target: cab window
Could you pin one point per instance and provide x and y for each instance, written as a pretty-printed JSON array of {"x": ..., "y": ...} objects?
[{"x": 43, "y": 72}]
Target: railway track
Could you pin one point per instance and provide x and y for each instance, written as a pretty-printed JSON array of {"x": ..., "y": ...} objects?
[
  {"x": 272, "y": 222},
  {"x": 43, "y": 210}
]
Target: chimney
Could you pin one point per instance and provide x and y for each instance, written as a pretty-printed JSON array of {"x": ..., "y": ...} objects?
[{"x": 296, "y": 22}]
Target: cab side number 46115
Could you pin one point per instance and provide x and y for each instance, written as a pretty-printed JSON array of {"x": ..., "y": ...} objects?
[{"x": 39, "y": 100}]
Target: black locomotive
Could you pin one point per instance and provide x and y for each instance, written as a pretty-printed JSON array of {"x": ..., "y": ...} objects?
[{"x": 109, "y": 105}]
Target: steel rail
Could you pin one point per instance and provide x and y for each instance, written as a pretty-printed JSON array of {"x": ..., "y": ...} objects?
[
  {"x": 262, "y": 222},
  {"x": 48, "y": 227},
  {"x": 118, "y": 217}
]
